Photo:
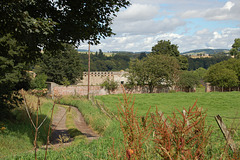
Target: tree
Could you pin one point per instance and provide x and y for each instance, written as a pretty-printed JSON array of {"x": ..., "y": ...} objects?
[
  {"x": 154, "y": 70},
  {"x": 235, "y": 51},
  {"x": 13, "y": 75},
  {"x": 200, "y": 73},
  {"x": 39, "y": 82},
  {"x": 142, "y": 55},
  {"x": 109, "y": 85},
  {"x": 188, "y": 80},
  {"x": 64, "y": 67},
  {"x": 30, "y": 25},
  {"x": 221, "y": 76},
  {"x": 166, "y": 48}
]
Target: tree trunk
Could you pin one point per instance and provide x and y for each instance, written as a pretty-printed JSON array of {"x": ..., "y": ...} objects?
[{"x": 151, "y": 88}]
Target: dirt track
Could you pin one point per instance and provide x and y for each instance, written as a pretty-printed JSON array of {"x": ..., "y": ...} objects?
[{"x": 60, "y": 134}]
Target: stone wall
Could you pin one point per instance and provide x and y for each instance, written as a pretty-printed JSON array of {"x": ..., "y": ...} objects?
[
  {"x": 97, "y": 78},
  {"x": 74, "y": 90},
  {"x": 209, "y": 88}
]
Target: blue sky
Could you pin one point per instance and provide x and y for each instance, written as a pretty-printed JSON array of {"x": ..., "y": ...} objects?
[{"x": 190, "y": 24}]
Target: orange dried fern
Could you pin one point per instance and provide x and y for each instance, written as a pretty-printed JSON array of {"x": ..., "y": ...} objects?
[
  {"x": 181, "y": 137},
  {"x": 135, "y": 131}
]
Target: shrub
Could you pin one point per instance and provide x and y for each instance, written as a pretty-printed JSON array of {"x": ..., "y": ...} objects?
[
  {"x": 39, "y": 82},
  {"x": 181, "y": 137},
  {"x": 110, "y": 85}
]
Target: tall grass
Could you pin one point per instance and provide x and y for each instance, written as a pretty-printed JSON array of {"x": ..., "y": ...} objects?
[
  {"x": 97, "y": 149},
  {"x": 226, "y": 104},
  {"x": 215, "y": 103},
  {"x": 18, "y": 136}
]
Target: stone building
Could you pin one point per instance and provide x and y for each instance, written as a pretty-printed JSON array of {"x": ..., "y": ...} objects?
[{"x": 97, "y": 78}]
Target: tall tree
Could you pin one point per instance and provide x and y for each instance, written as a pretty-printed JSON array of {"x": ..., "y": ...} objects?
[
  {"x": 64, "y": 66},
  {"x": 188, "y": 80},
  {"x": 235, "y": 51},
  {"x": 37, "y": 24},
  {"x": 154, "y": 70},
  {"x": 224, "y": 74},
  {"x": 166, "y": 48}
]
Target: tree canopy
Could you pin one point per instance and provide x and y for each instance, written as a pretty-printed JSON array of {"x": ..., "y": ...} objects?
[
  {"x": 235, "y": 51},
  {"x": 188, "y": 80},
  {"x": 63, "y": 66},
  {"x": 166, "y": 48},
  {"x": 224, "y": 74},
  {"x": 154, "y": 70},
  {"x": 27, "y": 26}
]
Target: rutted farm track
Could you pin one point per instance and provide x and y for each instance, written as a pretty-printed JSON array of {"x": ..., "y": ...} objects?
[{"x": 60, "y": 129}]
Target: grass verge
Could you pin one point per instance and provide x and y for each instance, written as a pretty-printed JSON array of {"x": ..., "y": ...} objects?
[{"x": 18, "y": 135}]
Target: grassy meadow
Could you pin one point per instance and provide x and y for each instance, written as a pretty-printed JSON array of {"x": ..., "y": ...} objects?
[
  {"x": 18, "y": 134},
  {"x": 225, "y": 104}
]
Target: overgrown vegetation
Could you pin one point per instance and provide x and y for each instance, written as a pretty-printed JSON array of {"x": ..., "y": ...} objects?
[
  {"x": 114, "y": 144},
  {"x": 18, "y": 135},
  {"x": 109, "y": 85}
]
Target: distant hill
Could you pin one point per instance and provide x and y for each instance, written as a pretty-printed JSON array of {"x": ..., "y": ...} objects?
[
  {"x": 82, "y": 50},
  {"x": 206, "y": 51}
]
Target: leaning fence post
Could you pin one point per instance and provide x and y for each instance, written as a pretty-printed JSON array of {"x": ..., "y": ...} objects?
[{"x": 226, "y": 133}]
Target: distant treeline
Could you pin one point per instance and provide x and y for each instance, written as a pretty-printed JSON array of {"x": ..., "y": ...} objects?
[
  {"x": 117, "y": 61},
  {"x": 120, "y": 61},
  {"x": 195, "y": 63}
]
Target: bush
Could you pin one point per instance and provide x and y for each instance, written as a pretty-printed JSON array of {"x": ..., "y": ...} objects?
[
  {"x": 39, "y": 82},
  {"x": 110, "y": 85}
]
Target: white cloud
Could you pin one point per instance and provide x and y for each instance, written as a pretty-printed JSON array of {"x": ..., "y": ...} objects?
[
  {"x": 230, "y": 11},
  {"x": 145, "y": 22},
  {"x": 138, "y": 12}
]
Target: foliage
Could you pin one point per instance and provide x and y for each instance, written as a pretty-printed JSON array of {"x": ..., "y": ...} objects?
[
  {"x": 103, "y": 62},
  {"x": 142, "y": 55},
  {"x": 110, "y": 85},
  {"x": 224, "y": 74},
  {"x": 63, "y": 67},
  {"x": 183, "y": 62},
  {"x": 200, "y": 72},
  {"x": 165, "y": 47},
  {"x": 235, "y": 51},
  {"x": 205, "y": 63},
  {"x": 13, "y": 71},
  {"x": 188, "y": 80},
  {"x": 222, "y": 77},
  {"x": 182, "y": 137},
  {"x": 135, "y": 133},
  {"x": 39, "y": 82},
  {"x": 38, "y": 22},
  {"x": 154, "y": 70},
  {"x": 27, "y": 26}
]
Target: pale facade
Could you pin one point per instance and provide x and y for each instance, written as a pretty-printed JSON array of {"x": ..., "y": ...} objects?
[{"x": 97, "y": 78}]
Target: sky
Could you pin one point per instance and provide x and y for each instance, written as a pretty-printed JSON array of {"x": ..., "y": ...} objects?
[{"x": 190, "y": 24}]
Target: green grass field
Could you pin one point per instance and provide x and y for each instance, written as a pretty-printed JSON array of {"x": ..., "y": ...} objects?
[
  {"x": 18, "y": 135},
  {"x": 225, "y": 104}
]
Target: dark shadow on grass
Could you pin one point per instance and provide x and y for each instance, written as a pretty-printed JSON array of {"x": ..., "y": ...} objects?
[
  {"x": 21, "y": 125},
  {"x": 74, "y": 132}
]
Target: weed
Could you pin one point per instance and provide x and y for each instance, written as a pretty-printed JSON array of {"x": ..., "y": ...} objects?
[
  {"x": 181, "y": 137},
  {"x": 135, "y": 133}
]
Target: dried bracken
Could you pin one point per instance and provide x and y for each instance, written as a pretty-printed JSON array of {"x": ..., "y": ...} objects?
[
  {"x": 135, "y": 132},
  {"x": 181, "y": 137}
]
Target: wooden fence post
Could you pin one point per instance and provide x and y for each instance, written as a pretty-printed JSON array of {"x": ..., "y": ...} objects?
[{"x": 226, "y": 133}]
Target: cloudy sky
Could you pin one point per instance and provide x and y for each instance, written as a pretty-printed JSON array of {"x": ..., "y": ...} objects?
[{"x": 190, "y": 24}]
